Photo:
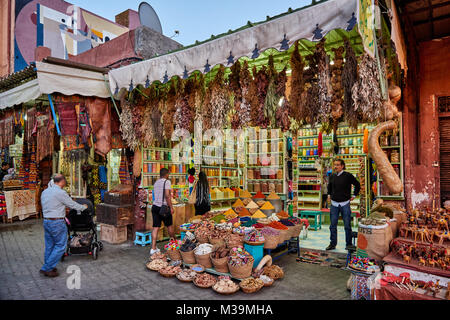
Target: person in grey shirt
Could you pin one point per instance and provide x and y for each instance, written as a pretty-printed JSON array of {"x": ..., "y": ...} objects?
[{"x": 54, "y": 201}]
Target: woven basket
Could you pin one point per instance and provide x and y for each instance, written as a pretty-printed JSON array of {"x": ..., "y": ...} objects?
[
  {"x": 174, "y": 255},
  {"x": 221, "y": 265},
  {"x": 251, "y": 290},
  {"x": 297, "y": 229},
  {"x": 186, "y": 281},
  {"x": 271, "y": 242},
  {"x": 254, "y": 243},
  {"x": 226, "y": 293},
  {"x": 204, "y": 260},
  {"x": 242, "y": 272},
  {"x": 220, "y": 242},
  {"x": 167, "y": 275},
  {"x": 203, "y": 287},
  {"x": 201, "y": 240},
  {"x": 269, "y": 284},
  {"x": 188, "y": 257},
  {"x": 284, "y": 235}
]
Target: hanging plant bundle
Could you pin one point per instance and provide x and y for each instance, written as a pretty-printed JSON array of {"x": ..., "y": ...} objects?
[
  {"x": 282, "y": 113},
  {"x": 138, "y": 111},
  {"x": 184, "y": 114},
  {"x": 337, "y": 99},
  {"x": 127, "y": 127},
  {"x": 170, "y": 109},
  {"x": 310, "y": 97},
  {"x": 217, "y": 103},
  {"x": 242, "y": 115},
  {"x": 366, "y": 91},
  {"x": 236, "y": 94},
  {"x": 323, "y": 82},
  {"x": 349, "y": 78},
  {"x": 275, "y": 92},
  {"x": 297, "y": 108},
  {"x": 148, "y": 128},
  {"x": 261, "y": 84},
  {"x": 197, "y": 98}
]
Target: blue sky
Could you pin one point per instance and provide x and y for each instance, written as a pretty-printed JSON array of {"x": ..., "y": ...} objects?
[{"x": 196, "y": 19}]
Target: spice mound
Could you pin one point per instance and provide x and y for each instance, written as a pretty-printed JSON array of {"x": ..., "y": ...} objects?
[
  {"x": 204, "y": 248},
  {"x": 225, "y": 286},
  {"x": 274, "y": 272},
  {"x": 205, "y": 280},
  {"x": 157, "y": 264},
  {"x": 186, "y": 275},
  {"x": 170, "y": 270}
]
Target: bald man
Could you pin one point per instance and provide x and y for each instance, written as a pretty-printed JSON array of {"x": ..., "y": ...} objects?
[{"x": 54, "y": 201}]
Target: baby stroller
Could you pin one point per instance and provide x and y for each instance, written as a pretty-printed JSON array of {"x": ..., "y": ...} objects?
[{"x": 85, "y": 243}]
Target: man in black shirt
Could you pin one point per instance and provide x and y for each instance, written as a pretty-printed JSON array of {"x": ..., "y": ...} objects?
[{"x": 339, "y": 192}]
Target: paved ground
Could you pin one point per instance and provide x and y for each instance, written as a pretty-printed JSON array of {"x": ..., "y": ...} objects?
[{"x": 120, "y": 273}]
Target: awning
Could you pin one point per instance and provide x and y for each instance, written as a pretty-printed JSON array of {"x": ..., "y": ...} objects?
[
  {"x": 311, "y": 23},
  {"x": 53, "y": 78}
]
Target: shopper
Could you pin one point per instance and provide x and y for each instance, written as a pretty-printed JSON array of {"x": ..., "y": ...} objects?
[
  {"x": 203, "y": 201},
  {"x": 162, "y": 209},
  {"x": 54, "y": 201},
  {"x": 339, "y": 192},
  {"x": 4, "y": 170}
]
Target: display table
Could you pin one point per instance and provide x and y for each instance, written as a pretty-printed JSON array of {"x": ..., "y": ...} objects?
[
  {"x": 390, "y": 292},
  {"x": 20, "y": 203},
  {"x": 293, "y": 245}
]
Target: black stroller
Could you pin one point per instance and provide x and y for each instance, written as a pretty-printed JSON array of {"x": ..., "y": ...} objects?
[{"x": 87, "y": 242}]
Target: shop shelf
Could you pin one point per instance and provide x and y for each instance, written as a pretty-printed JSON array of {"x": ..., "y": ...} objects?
[
  {"x": 390, "y": 147},
  {"x": 307, "y": 199}
]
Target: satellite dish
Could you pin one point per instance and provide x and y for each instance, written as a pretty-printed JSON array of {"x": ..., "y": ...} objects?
[{"x": 149, "y": 18}]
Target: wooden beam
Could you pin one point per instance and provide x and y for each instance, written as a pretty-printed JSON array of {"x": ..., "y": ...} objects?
[
  {"x": 419, "y": 22},
  {"x": 433, "y": 6},
  {"x": 430, "y": 18}
]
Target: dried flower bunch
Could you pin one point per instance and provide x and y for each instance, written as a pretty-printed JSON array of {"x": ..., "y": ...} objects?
[
  {"x": 127, "y": 127},
  {"x": 323, "y": 83},
  {"x": 169, "y": 108},
  {"x": 297, "y": 109},
  {"x": 349, "y": 78},
  {"x": 366, "y": 91},
  {"x": 337, "y": 99},
  {"x": 217, "y": 103},
  {"x": 259, "y": 88},
  {"x": 310, "y": 97}
]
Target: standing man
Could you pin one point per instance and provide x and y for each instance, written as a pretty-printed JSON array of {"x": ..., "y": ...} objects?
[
  {"x": 54, "y": 201},
  {"x": 161, "y": 190},
  {"x": 339, "y": 192}
]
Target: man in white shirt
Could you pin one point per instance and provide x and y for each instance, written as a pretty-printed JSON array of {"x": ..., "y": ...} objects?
[{"x": 161, "y": 191}]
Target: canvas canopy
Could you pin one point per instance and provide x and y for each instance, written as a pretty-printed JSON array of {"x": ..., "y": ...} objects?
[
  {"x": 53, "y": 78},
  {"x": 311, "y": 23}
]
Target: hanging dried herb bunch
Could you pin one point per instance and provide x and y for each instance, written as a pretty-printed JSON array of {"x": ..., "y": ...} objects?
[
  {"x": 148, "y": 122},
  {"x": 272, "y": 98},
  {"x": 127, "y": 127},
  {"x": 217, "y": 104},
  {"x": 197, "y": 98},
  {"x": 260, "y": 84},
  {"x": 297, "y": 110},
  {"x": 324, "y": 83},
  {"x": 184, "y": 115},
  {"x": 169, "y": 108},
  {"x": 366, "y": 91},
  {"x": 349, "y": 78},
  {"x": 310, "y": 97},
  {"x": 337, "y": 99},
  {"x": 240, "y": 85}
]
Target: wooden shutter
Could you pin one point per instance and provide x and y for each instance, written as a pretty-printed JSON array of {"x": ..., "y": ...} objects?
[{"x": 444, "y": 128}]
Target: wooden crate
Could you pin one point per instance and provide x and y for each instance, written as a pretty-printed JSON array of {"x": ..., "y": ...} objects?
[
  {"x": 121, "y": 195},
  {"x": 115, "y": 215},
  {"x": 112, "y": 234}
]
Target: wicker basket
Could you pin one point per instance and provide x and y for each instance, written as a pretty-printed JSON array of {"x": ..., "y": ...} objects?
[
  {"x": 227, "y": 293},
  {"x": 251, "y": 290},
  {"x": 186, "y": 281},
  {"x": 297, "y": 229},
  {"x": 174, "y": 255},
  {"x": 220, "y": 242},
  {"x": 242, "y": 272},
  {"x": 204, "y": 260},
  {"x": 271, "y": 242},
  {"x": 269, "y": 284},
  {"x": 167, "y": 275},
  {"x": 204, "y": 287},
  {"x": 284, "y": 236},
  {"x": 221, "y": 265},
  {"x": 201, "y": 240},
  {"x": 254, "y": 243},
  {"x": 188, "y": 257}
]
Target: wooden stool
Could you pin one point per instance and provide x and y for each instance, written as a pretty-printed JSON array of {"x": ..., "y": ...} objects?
[
  {"x": 143, "y": 238},
  {"x": 317, "y": 222}
]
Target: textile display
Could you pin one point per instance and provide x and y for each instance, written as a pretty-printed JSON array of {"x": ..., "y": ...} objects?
[
  {"x": 72, "y": 143},
  {"x": 2, "y": 205},
  {"x": 30, "y": 124},
  {"x": 103, "y": 181},
  {"x": 6, "y": 131},
  {"x": 94, "y": 184},
  {"x": 45, "y": 135},
  {"x": 359, "y": 288},
  {"x": 99, "y": 111},
  {"x": 116, "y": 136},
  {"x": 68, "y": 119},
  {"x": 84, "y": 126},
  {"x": 124, "y": 173},
  {"x": 20, "y": 203}
]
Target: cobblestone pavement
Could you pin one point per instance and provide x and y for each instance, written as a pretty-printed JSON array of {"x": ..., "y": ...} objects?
[{"x": 120, "y": 273}]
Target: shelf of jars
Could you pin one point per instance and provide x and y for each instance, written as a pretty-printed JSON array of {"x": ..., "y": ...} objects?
[{"x": 265, "y": 165}]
